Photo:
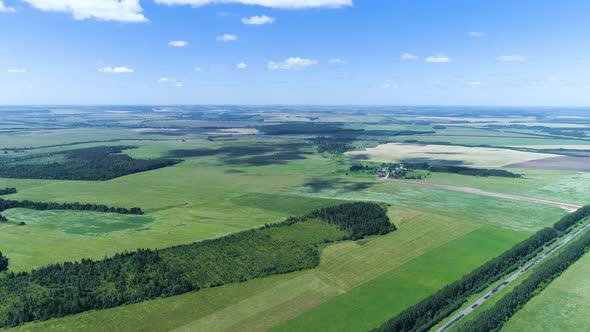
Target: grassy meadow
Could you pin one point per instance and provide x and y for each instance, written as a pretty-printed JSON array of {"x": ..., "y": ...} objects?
[{"x": 562, "y": 306}]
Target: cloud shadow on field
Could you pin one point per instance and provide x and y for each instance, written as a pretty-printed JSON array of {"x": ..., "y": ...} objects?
[
  {"x": 263, "y": 155},
  {"x": 318, "y": 185}
]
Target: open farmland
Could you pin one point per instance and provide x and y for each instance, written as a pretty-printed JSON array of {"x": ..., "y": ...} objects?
[
  {"x": 395, "y": 259},
  {"x": 562, "y": 306},
  {"x": 229, "y": 176}
]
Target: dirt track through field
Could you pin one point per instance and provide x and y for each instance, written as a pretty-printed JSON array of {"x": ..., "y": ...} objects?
[{"x": 566, "y": 206}]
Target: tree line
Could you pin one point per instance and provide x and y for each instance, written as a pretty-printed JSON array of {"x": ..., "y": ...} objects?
[
  {"x": 573, "y": 218},
  {"x": 6, "y": 204},
  {"x": 91, "y": 164},
  {"x": 67, "y": 288},
  {"x": 7, "y": 191},
  {"x": 493, "y": 319},
  {"x": 3, "y": 262},
  {"x": 462, "y": 170},
  {"x": 428, "y": 312}
]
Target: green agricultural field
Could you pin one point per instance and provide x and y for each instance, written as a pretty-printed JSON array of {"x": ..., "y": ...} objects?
[
  {"x": 562, "y": 306},
  {"x": 564, "y": 186},
  {"x": 197, "y": 199},
  {"x": 231, "y": 179},
  {"x": 367, "y": 306},
  {"x": 395, "y": 260}
]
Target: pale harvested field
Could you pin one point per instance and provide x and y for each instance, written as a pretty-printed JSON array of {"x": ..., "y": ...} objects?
[{"x": 469, "y": 156}]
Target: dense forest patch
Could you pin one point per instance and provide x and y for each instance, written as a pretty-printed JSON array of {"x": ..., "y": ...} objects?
[
  {"x": 92, "y": 164},
  {"x": 66, "y": 288},
  {"x": 7, "y": 191}
]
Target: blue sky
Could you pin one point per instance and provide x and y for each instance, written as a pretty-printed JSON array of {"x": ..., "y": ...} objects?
[{"x": 399, "y": 52}]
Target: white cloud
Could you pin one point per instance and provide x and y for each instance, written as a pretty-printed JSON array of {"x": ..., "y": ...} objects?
[
  {"x": 17, "y": 70},
  {"x": 476, "y": 34},
  {"x": 4, "y": 9},
  {"x": 178, "y": 43},
  {"x": 337, "y": 61},
  {"x": 291, "y": 63},
  {"x": 258, "y": 20},
  {"x": 475, "y": 83},
  {"x": 410, "y": 56},
  {"x": 171, "y": 81},
  {"x": 104, "y": 10},
  {"x": 117, "y": 70},
  {"x": 227, "y": 38},
  {"x": 284, "y": 4},
  {"x": 197, "y": 68},
  {"x": 512, "y": 58},
  {"x": 390, "y": 85},
  {"x": 241, "y": 65},
  {"x": 439, "y": 58}
]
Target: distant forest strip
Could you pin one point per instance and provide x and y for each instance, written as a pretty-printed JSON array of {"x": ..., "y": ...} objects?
[
  {"x": 577, "y": 133},
  {"x": 61, "y": 289},
  {"x": 494, "y": 318},
  {"x": 91, "y": 164},
  {"x": 7, "y": 191},
  {"x": 14, "y": 149},
  {"x": 428, "y": 312},
  {"x": 463, "y": 170},
  {"x": 6, "y": 204},
  {"x": 304, "y": 128}
]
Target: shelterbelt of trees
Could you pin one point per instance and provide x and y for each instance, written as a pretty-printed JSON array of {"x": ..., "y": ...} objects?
[
  {"x": 92, "y": 164},
  {"x": 6, "y": 204},
  {"x": 7, "y": 191},
  {"x": 428, "y": 312},
  {"x": 66, "y": 288},
  {"x": 3, "y": 262},
  {"x": 493, "y": 319}
]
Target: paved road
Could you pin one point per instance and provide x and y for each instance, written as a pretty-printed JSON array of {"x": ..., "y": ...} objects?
[
  {"x": 510, "y": 279},
  {"x": 566, "y": 206}
]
